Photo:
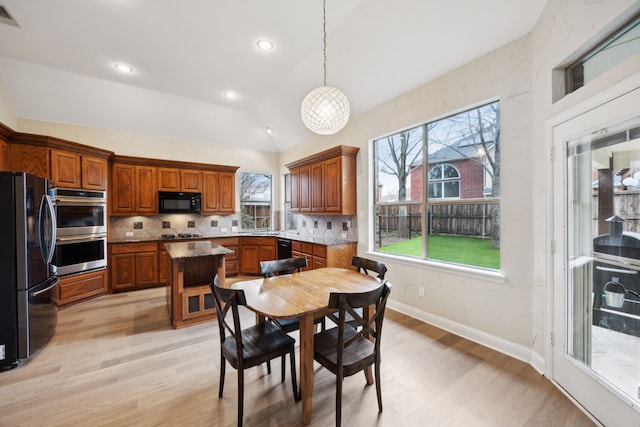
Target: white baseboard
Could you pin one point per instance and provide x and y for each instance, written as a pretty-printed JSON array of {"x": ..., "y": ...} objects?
[{"x": 506, "y": 347}]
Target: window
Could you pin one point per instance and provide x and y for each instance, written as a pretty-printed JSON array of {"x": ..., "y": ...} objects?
[
  {"x": 450, "y": 213},
  {"x": 255, "y": 201},
  {"x": 619, "y": 46},
  {"x": 444, "y": 182}
]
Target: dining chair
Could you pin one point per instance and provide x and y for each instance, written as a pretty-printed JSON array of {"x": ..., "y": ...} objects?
[
  {"x": 286, "y": 266},
  {"x": 370, "y": 267},
  {"x": 246, "y": 348},
  {"x": 346, "y": 349}
]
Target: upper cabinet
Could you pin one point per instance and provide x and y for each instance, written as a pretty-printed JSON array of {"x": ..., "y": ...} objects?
[
  {"x": 325, "y": 183},
  {"x": 73, "y": 170},
  {"x": 136, "y": 182},
  {"x": 174, "y": 179}
]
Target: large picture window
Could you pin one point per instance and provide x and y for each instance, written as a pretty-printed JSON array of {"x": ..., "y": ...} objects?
[
  {"x": 437, "y": 189},
  {"x": 255, "y": 201}
]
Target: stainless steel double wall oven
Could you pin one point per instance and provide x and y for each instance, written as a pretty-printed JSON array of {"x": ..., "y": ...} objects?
[{"x": 81, "y": 217}]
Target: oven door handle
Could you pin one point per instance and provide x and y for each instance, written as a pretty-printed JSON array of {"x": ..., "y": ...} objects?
[
  {"x": 63, "y": 240},
  {"x": 79, "y": 201}
]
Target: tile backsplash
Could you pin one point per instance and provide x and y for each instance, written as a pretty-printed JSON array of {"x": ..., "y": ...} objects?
[{"x": 152, "y": 227}]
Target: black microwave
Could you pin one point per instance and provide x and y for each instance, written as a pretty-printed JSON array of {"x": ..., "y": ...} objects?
[{"x": 178, "y": 202}]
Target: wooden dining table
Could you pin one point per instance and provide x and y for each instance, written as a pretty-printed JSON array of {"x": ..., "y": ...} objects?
[{"x": 304, "y": 295}]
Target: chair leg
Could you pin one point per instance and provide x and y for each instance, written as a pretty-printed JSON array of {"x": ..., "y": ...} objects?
[
  {"x": 339, "y": 380},
  {"x": 284, "y": 364},
  {"x": 240, "y": 395},
  {"x": 294, "y": 381},
  {"x": 221, "y": 386},
  {"x": 269, "y": 367},
  {"x": 378, "y": 386}
]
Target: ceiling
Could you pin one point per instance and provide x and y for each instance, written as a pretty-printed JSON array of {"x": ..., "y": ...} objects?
[{"x": 58, "y": 65}]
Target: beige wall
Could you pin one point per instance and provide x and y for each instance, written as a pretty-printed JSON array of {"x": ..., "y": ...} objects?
[{"x": 7, "y": 115}]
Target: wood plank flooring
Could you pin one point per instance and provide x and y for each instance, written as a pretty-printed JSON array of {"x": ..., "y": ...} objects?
[{"x": 115, "y": 361}]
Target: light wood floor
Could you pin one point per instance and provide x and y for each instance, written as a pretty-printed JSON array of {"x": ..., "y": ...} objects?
[{"x": 115, "y": 361}]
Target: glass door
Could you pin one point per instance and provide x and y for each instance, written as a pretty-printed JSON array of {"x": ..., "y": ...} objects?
[{"x": 597, "y": 259}]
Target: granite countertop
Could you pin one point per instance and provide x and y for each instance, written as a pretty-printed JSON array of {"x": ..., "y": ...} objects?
[
  {"x": 196, "y": 248},
  {"x": 328, "y": 241}
]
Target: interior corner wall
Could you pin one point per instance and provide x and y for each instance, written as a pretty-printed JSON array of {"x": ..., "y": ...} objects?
[{"x": 7, "y": 115}]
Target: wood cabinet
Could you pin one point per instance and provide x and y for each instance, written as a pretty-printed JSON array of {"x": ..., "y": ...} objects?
[
  {"x": 256, "y": 249},
  {"x": 133, "y": 265},
  {"x": 79, "y": 287},
  {"x": 218, "y": 192},
  {"x": 325, "y": 183},
  {"x": 232, "y": 261},
  {"x": 4, "y": 156},
  {"x": 73, "y": 170},
  {"x": 174, "y": 179},
  {"x": 29, "y": 158},
  {"x": 319, "y": 255},
  {"x": 133, "y": 189}
]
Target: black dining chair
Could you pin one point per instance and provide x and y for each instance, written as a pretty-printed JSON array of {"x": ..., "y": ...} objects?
[
  {"x": 286, "y": 266},
  {"x": 246, "y": 348},
  {"x": 370, "y": 267},
  {"x": 347, "y": 349}
]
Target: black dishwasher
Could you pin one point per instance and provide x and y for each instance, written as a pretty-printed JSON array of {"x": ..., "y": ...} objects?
[{"x": 284, "y": 248}]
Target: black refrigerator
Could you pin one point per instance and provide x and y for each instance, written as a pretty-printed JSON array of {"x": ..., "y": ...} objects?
[{"x": 27, "y": 240}]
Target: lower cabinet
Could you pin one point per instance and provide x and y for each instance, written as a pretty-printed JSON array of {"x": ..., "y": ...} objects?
[
  {"x": 319, "y": 256},
  {"x": 78, "y": 287},
  {"x": 232, "y": 261},
  {"x": 133, "y": 266},
  {"x": 256, "y": 249}
]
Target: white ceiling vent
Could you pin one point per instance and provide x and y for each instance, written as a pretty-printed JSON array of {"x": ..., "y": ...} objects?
[{"x": 6, "y": 18}]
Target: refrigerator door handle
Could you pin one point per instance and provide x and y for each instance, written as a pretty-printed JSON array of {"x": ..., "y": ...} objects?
[
  {"x": 46, "y": 202},
  {"x": 51, "y": 286}
]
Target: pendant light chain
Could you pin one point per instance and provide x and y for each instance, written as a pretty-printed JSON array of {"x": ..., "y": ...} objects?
[{"x": 324, "y": 38}]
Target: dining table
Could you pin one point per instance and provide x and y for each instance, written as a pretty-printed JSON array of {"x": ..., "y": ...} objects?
[{"x": 304, "y": 295}]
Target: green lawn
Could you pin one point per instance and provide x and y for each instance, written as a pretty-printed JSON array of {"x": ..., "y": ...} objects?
[{"x": 457, "y": 249}]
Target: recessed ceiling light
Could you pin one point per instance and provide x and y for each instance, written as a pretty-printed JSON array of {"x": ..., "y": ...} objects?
[
  {"x": 230, "y": 95},
  {"x": 265, "y": 44},
  {"x": 124, "y": 68},
  {"x": 269, "y": 130}
]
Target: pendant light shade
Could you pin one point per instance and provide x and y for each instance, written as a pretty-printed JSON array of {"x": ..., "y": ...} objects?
[{"x": 325, "y": 110}]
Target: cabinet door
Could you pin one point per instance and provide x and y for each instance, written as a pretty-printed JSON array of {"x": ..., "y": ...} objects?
[
  {"x": 250, "y": 260},
  {"x": 304, "y": 189},
  {"x": 94, "y": 173},
  {"x": 295, "y": 190},
  {"x": 65, "y": 169},
  {"x": 146, "y": 268},
  {"x": 168, "y": 179},
  {"x": 266, "y": 253},
  {"x": 332, "y": 185},
  {"x": 30, "y": 159},
  {"x": 4, "y": 156},
  {"x": 226, "y": 191},
  {"x": 123, "y": 271},
  {"x": 123, "y": 198},
  {"x": 210, "y": 194},
  {"x": 146, "y": 189},
  {"x": 317, "y": 187},
  {"x": 190, "y": 181}
]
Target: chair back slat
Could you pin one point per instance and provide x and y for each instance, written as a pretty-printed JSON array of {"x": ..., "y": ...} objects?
[
  {"x": 369, "y": 266},
  {"x": 282, "y": 266}
]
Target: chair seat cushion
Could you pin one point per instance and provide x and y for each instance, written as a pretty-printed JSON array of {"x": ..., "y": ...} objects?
[
  {"x": 261, "y": 342},
  {"x": 358, "y": 355}
]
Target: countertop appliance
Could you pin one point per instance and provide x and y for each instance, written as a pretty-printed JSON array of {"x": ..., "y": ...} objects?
[
  {"x": 28, "y": 231},
  {"x": 179, "y": 202}
]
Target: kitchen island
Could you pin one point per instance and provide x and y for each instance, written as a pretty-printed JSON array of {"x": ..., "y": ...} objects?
[{"x": 190, "y": 268}]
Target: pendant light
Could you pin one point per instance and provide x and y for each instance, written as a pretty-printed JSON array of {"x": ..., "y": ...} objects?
[{"x": 325, "y": 110}]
